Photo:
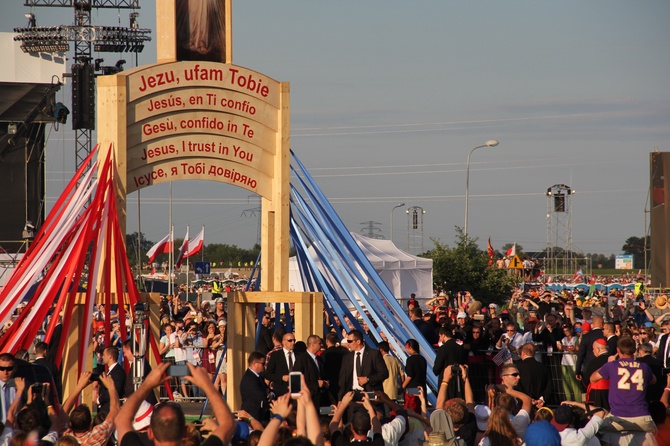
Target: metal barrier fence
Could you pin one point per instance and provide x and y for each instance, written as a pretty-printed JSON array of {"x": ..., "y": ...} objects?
[
  {"x": 483, "y": 371},
  {"x": 182, "y": 390}
]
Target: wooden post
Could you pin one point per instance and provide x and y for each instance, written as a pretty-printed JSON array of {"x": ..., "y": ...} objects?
[{"x": 242, "y": 329}]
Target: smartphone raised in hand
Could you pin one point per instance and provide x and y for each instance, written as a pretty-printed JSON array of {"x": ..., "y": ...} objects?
[{"x": 295, "y": 384}]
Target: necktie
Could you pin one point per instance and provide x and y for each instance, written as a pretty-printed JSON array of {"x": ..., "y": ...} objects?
[
  {"x": 5, "y": 403},
  {"x": 290, "y": 361},
  {"x": 359, "y": 364}
]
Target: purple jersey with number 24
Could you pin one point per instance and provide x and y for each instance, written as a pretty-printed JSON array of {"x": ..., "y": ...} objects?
[{"x": 629, "y": 380}]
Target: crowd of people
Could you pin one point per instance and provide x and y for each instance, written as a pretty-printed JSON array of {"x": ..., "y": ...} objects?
[{"x": 507, "y": 375}]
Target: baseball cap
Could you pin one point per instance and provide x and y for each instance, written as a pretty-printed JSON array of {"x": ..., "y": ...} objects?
[
  {"x": 461, "y": 314},
  {"x": 482, "y": 413}
]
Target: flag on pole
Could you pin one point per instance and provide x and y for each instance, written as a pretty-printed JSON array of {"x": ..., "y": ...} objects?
[
  {"x": 182, "y": 250},
  {"x": 491, "y": 252},
  {"x": 577, "y": 275},
  {"x": 196, "y": 245},
  {"x": 162, "y": 247},
  {"x": 512, "y": 251}
]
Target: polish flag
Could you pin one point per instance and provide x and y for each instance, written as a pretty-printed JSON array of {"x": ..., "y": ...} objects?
[
  {"x": 490, "y": 251},
  {"x": 512, "y": 251},
  {"x": 196, "y": 244},
  {"x": 182, "y": 250},
  {"x": 162, "y": 247}
]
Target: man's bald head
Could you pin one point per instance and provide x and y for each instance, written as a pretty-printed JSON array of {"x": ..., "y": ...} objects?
[{"x": 597, "y": 322}]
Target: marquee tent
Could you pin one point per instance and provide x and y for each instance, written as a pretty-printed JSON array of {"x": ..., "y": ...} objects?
[{"x": 402, "y": 272}]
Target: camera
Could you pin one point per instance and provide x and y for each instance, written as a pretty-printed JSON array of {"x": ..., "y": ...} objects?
[
  {"x": 456, "y": 370},
  {"x": 36, "y": 388}
]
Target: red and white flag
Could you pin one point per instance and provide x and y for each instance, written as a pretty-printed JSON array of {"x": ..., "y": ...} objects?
[
  {"x": 162, "y": 247},
  {"x": 195, "y": 245},
  {"x": 182, "y": 251},
  {"x": 490, "y": 252},
  {"x": 512, "y": 251}
]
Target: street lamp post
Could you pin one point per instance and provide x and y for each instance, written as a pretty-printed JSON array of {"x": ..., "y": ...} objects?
[
  {"x": 491, "y": 143},
  {"x": 394, "y": 208}
]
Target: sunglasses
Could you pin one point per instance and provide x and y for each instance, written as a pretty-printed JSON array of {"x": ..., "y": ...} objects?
[
  {"x": 516, "y": 375},
  {"x": 6, "y": 369},
  {"x": 290, "y": 340}
]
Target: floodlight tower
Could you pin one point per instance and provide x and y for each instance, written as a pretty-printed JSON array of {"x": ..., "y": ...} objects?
[
  {"x": 55, "y": 39},
  {"x": 415, "y": 230},
  {"x": 560, "y": 250}
]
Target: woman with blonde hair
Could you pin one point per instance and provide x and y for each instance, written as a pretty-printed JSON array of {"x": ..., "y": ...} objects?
[{"x": 500, "y": 431}]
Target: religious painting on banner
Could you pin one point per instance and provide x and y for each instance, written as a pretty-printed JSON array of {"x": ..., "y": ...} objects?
[{"x": 201, "y": 30}]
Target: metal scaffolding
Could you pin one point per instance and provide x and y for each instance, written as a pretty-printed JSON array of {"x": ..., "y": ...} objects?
[
  {"x": 560, "y": 250},
  {"x": 53, "y": 39},
  {"x": 415, "y": 230}
]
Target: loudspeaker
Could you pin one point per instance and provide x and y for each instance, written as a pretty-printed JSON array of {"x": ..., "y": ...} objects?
[
  {"x": 559, "y": 203},
  {"x": 660, "y": 218},
  {"x": 83, "y": 97}
]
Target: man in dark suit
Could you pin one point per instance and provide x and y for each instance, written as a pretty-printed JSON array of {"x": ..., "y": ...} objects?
[
  {"x": 41, "y": 350},
  {"x": 110, "y": 359},
  {"x": 534, "y": 376},
  {"x": 449, "y": 353},
  {"x": 610, "y": 337},
  {"x": 332, "y": 363},
  {"x": 253, "y": 390},
  {"x": 281, "y": 363},
  {"x": 129, "y": 386},
  {"x": 663, "y": 352},
  {"x": 654, "y": 391},
  {"x": 585, "y": 352},
  {"x": 363, "y": 368},
  {"x": 310, "y": 365},
  {"x": 426, "y": 328},
  {"x": 265, "y": 344}
]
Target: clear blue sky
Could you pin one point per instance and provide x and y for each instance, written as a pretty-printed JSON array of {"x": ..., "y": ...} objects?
[{"x": 388, "y": 97}]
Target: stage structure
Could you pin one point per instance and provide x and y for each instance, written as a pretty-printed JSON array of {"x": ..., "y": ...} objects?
[{"x": 87, "y": 38}]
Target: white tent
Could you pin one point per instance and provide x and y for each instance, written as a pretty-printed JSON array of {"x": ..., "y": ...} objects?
[{"x": 402, "y": 272}]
